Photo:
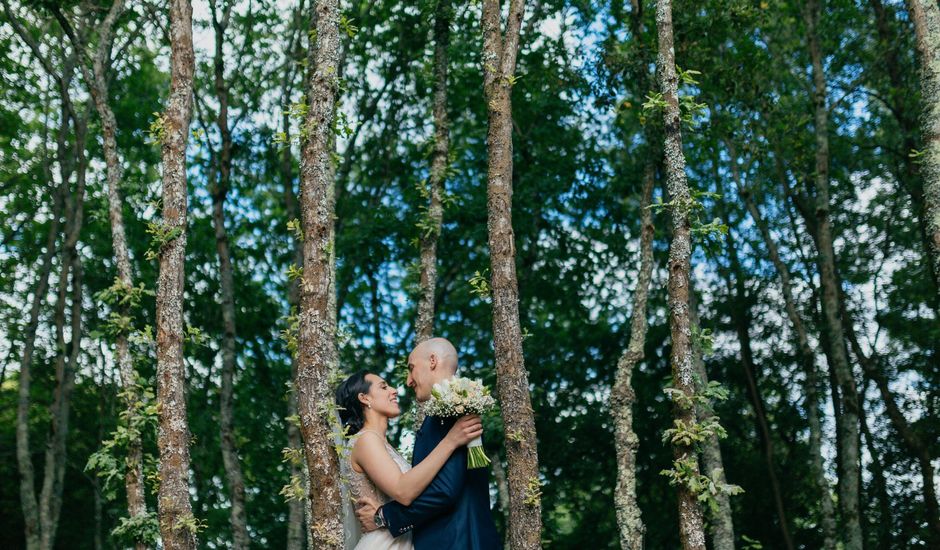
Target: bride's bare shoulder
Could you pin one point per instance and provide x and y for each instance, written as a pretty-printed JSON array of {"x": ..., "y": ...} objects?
[{"x": 367, "y": 441}]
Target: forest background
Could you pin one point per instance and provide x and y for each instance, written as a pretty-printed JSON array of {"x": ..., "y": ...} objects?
[{"x": 799, "y": 120}]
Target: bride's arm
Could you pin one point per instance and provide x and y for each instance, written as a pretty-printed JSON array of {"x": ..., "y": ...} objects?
[{"x": 371, "y": 455}]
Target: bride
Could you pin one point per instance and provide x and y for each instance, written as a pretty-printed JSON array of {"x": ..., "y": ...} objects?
[{"x": 373, "y": 468}]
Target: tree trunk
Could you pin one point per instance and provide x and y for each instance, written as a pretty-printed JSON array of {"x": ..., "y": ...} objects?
[
  {"x": 134, "y": 477},
  {"x": 97, "y": 81},
  {"x": 629, "y": 516},
  {"x": 317, "y": 327},
  {"x": 691, "y": 520},
  {"x": 926, "y": 18},
  {"x": 499, "y": 65},
  {"x": 295, "y": 520},
  {"x": 50, "y": 498},
  {"x": 23, "y": 455},
  {"x": 34, "y": 515},
  {"x": 622, "y": 396},
  {"x": 380, "y": 353},
  {"x": 424, "y": 325},
  {"x": 807, "y": 360},
  {"x": 902, "y": 107},
  {"x": 103, "y": 413},
  {"x": 45, "y": 538},
  {"x": 219, "y": 190},
  {"x": 96, "y": 487},
  {"x": 722, "y": 528},
  {"x": 849, "y": 481},
  {"x": 177, "y": 523}
]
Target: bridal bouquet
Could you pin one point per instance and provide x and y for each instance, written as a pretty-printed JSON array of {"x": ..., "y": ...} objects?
[{"x": 459, "y": 396}]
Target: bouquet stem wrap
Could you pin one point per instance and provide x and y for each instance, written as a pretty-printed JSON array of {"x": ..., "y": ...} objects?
[{"x": 476, "y": 456}]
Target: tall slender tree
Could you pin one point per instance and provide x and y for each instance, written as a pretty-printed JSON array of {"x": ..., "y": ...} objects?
[
  {"x": 721, "y": 527},
  {"x": 219, "y": 189},
  {"x": 806, "y": 357},
  {"x": 430, "y": 231},
  {"x": 691, "y": 520},
  {"x": 37, "y": 517},
  {"x": 500, "y": 49},
  {"x": 926, "y": 19},
  {"x": 829, "y": 282},
  {"x": 903, "y": 108},
  {"x": 622, "y": 395},
  {"x": 177, "y": 524},
  {"x": 96, "y": 79},
  {"x": 317, "y": 316},
  {"x": 434, "y": 215}
]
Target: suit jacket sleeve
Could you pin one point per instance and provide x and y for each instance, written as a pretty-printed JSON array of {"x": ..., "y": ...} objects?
[{"x": 439, "y": 497}]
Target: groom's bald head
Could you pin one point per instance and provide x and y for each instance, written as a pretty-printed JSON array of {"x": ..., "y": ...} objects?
[
  {"x": 430, "y": 362},
  {"x": 439, "y": 348}
]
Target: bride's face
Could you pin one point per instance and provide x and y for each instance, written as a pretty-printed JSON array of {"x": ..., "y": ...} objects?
[{"x": 382, "y": 396}]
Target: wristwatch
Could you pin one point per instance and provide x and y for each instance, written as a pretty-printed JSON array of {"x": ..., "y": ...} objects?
[{"x": 379, "y": 519}]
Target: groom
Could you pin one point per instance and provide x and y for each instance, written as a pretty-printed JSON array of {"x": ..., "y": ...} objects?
[{"x": 453, "y": 513}]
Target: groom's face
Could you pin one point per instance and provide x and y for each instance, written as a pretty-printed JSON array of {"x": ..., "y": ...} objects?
[{"x": 420, "y": 376}]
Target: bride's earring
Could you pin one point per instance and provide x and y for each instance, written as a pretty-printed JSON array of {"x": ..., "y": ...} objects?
[{"x": 370, "y": 405}]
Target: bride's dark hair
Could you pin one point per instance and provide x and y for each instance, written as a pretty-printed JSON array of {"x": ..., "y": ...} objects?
[{"x": 351, "y": 413}]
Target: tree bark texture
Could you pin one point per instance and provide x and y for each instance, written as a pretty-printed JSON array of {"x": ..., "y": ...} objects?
[
  {"x": 317, "y": 327},
  {"x": 926, "y": 19},
  {"x": 629, "y": 516},
  {"x": 175, "y": 510},
  {"x": 903, "y": 107},
  {"x": 133, "y": 478},
  {"x": 691, "y": 520},
  {"x": 622, "y": 395},
  {"x": 834, "y": 330},
  {"x": 499, "y": 64}
]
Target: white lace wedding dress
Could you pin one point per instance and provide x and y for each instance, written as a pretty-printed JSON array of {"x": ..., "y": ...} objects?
[{"x": 358, "y": 485}]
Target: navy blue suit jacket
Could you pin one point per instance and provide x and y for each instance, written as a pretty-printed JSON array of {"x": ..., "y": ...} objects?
[{"x": 453, "y": 512}]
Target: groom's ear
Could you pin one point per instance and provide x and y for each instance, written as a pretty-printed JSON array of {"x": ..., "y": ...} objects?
[{"x": 433, "y": 362}]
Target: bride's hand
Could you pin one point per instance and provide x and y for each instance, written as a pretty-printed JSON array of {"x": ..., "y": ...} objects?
[{"x": 465, "y": 430}]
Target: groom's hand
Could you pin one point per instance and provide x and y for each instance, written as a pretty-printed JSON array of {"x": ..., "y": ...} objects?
[{"x": 365, "y": 511}]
